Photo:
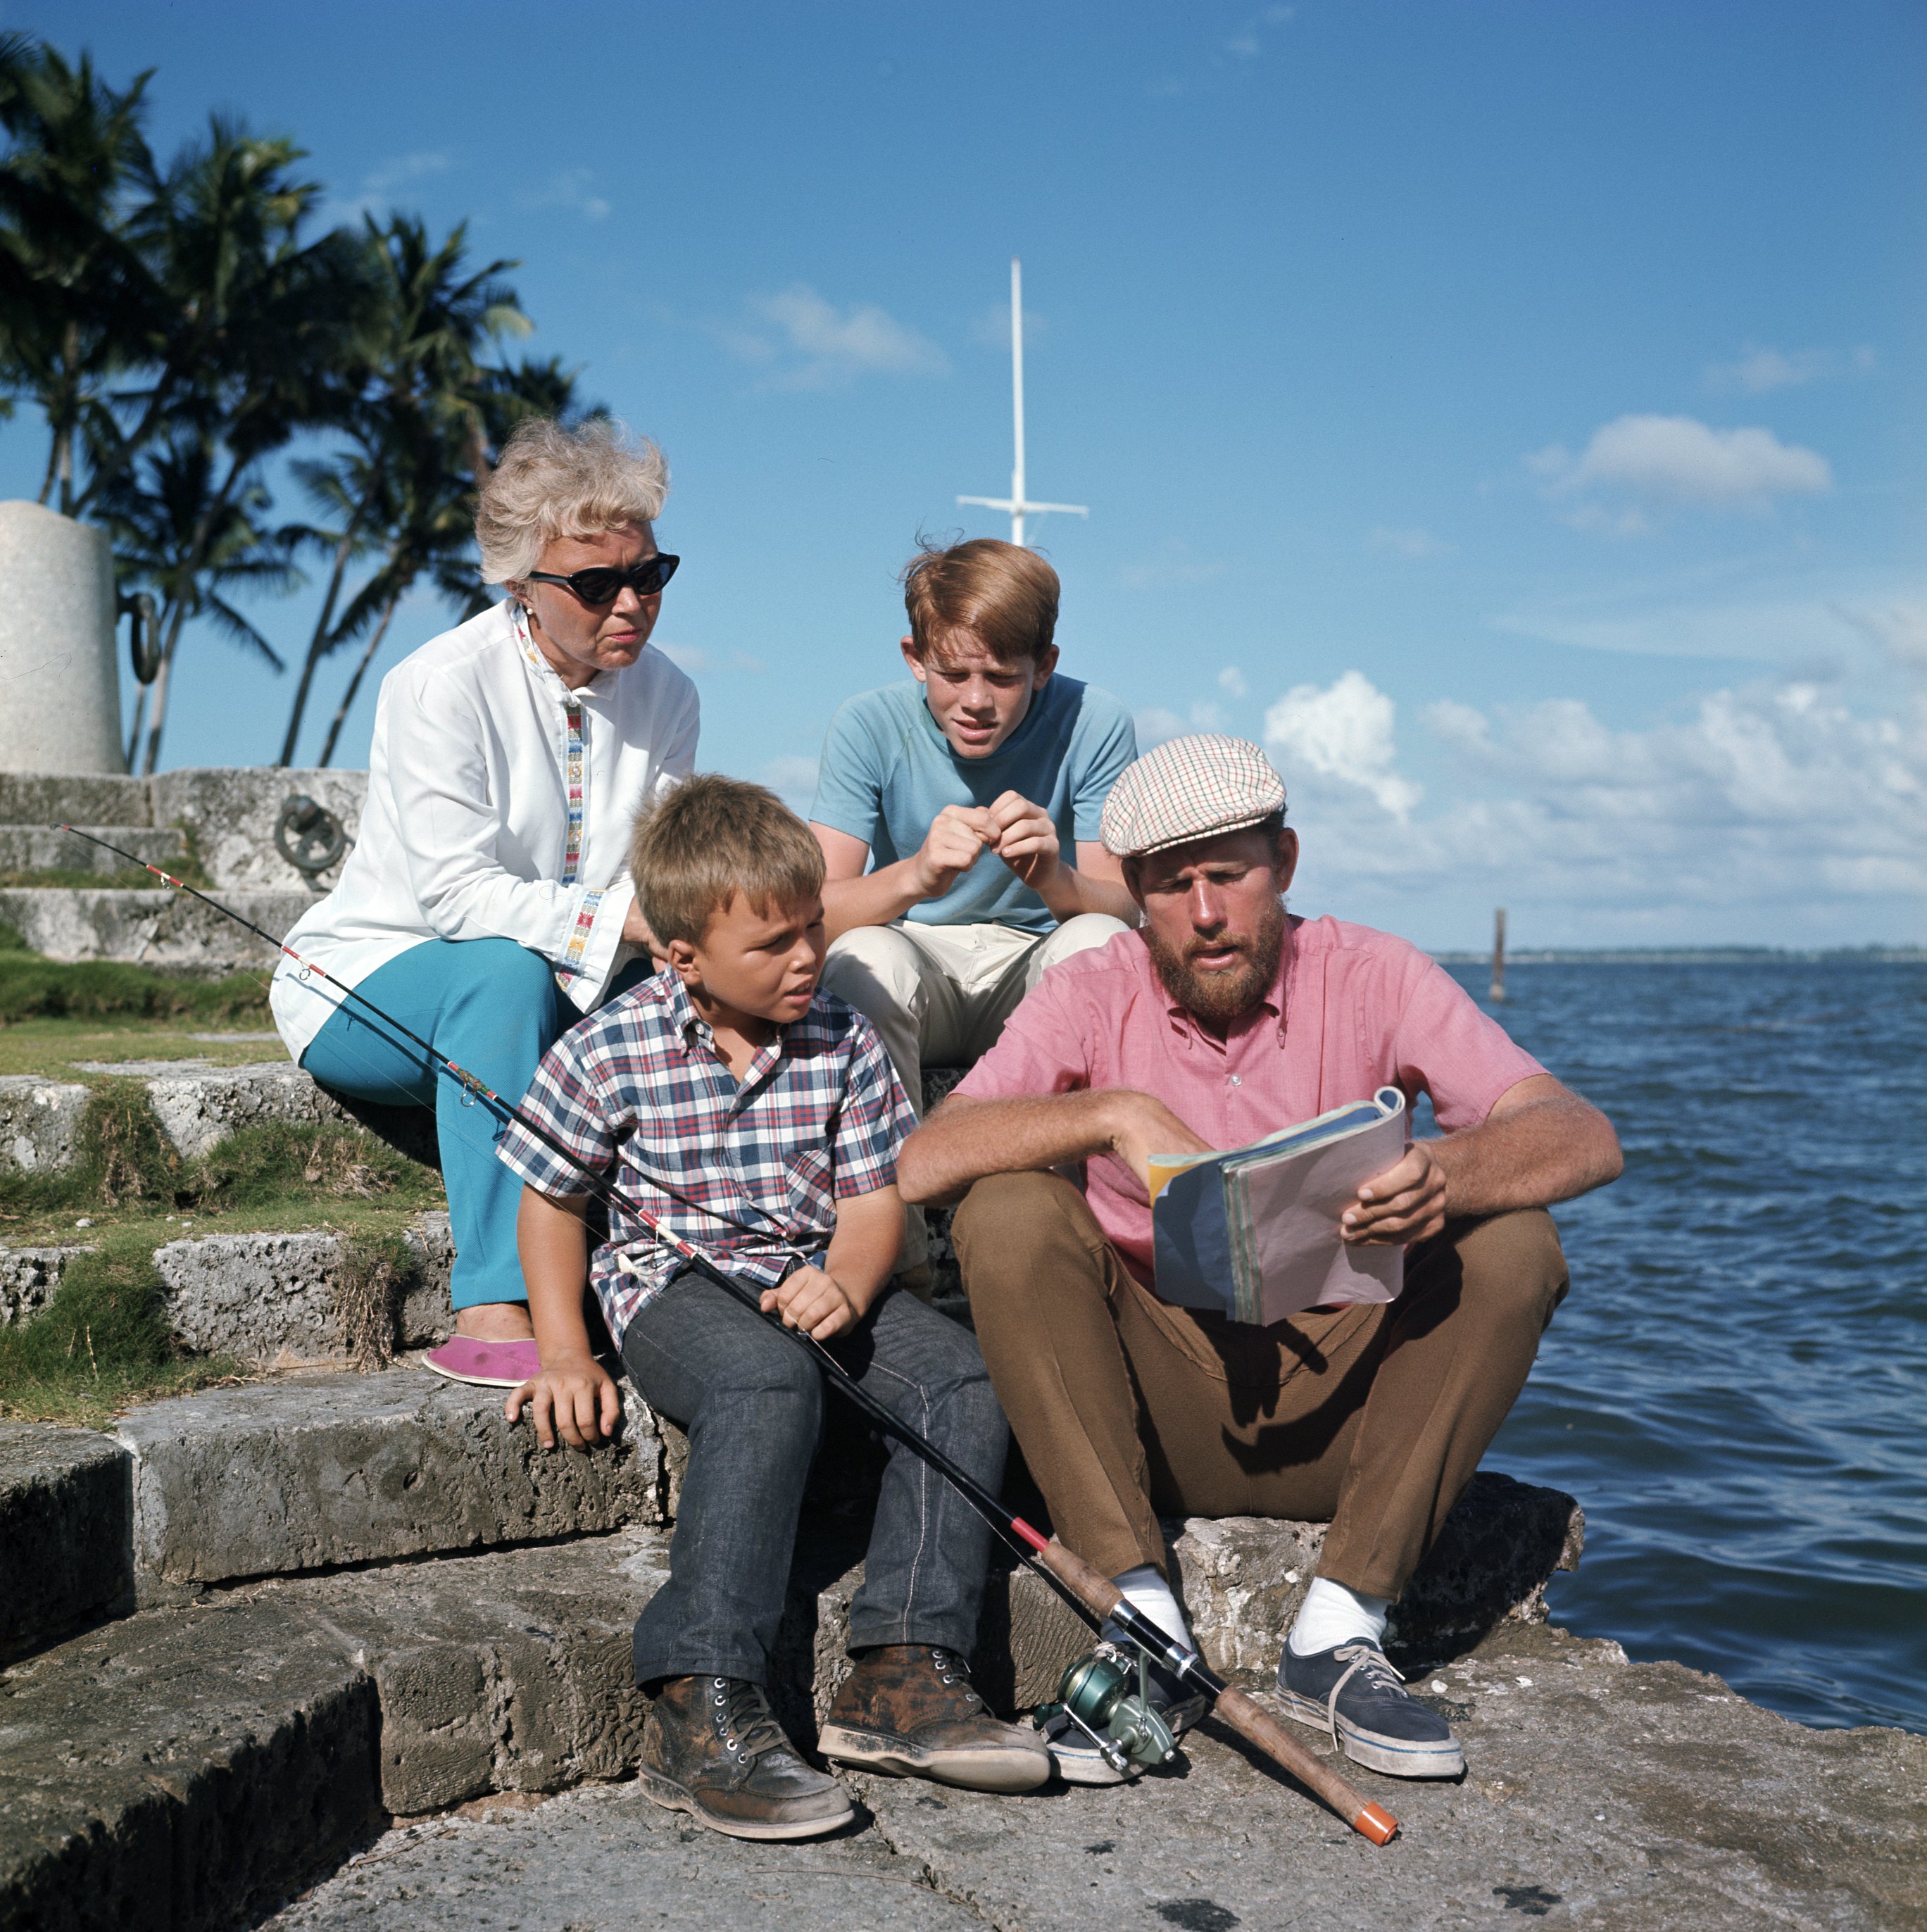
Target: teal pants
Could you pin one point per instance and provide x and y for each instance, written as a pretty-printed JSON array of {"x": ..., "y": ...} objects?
[{"x": 490, "y": 1005}]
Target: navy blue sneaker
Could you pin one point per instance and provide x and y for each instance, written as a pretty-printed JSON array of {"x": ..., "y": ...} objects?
[{"x": 1354, "y": 1695}]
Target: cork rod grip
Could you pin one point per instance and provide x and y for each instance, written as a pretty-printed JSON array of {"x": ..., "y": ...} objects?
[
  {"x": 1251, "y": 1720},
  {"x": 1091, "y": 1588}
]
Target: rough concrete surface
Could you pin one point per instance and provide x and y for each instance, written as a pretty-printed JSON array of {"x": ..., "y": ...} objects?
[
  {"x": 199, "y": 1104},
  {"x": 159, "y": 927},
  {"x": 273, "y": 1298},
  {"x": 36, "y": 848},
  {"x": 232, "y": 810},
  {"x": 66, "y": 1533},
  {"x": 310, "y": 1471},
  {"x": 40, "y": 1122},
  {"x": 1600, "y": 1793},
  {"x": 29, "y": 1279},
  {"x": 92, "y": 799}
]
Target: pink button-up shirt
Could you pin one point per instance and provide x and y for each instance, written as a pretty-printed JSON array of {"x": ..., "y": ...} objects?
[{"x": 1351, "y": 1010}]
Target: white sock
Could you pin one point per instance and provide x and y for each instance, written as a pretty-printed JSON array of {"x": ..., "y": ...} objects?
[
  {"x": 1331, "y": 1614},
  {"x": 1147, "y": 1591}
]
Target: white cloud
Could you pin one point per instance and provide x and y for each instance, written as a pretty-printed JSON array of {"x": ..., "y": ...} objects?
[
  {"x": 792, "y": 778},
  {"x": 1681, "y": 460},
  {"x": 1345, "y": 732},
  {"x": 570, "y": 190},
  {"x": 807, "y": 343},
  {"x": 690, "y": 657},
  {"x": 1231, "y": 682},
  {"x": 1412, "y": 543},
  {"x": 382, "y": 184},
  {"x": 1158, "y": 722},
  {"x": 1759, "y": 369},
  {"x": 1899, "y": 629},
  {"x": 1173, "y": 562}
]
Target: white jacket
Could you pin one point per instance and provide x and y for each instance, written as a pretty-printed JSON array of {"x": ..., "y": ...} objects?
[{"x": 469, "y": 831}]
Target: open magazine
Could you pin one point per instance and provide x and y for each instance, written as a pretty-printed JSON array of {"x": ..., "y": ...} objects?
[{"x": 1253, "y": 1233}]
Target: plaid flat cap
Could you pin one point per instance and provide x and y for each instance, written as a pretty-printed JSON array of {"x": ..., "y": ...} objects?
[{"x": 1188, "y": 788}]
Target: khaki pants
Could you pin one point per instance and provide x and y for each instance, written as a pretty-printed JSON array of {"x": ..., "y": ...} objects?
[
  {"x": 1372, "y": 1417},
  {"x": 939, "y": 995}
]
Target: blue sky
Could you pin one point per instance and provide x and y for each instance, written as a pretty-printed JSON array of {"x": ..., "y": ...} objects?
[{"x": 1510, "y": 413}]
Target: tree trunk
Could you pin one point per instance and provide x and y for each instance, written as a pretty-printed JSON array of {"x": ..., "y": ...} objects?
[
  {"x": 354, "y": 682},
  {"x": 177, "y": 619},
  {"x": 316, "y": 643},
  {"x": 139, "y": 711}
]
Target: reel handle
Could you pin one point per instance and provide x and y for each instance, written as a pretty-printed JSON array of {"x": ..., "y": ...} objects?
[{"x": 1250, "y": 1720}]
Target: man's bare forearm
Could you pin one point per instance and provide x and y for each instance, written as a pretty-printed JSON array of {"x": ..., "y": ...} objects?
[
  {"x": 965, "y": 1139},
  {"x": 874, "y": 898},
  {"x": 1547, "y": 1148},
  {"x": 1073, "y": 892}
]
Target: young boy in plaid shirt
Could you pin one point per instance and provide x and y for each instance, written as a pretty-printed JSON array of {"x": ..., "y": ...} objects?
[{"x": 759, "y": 1119}]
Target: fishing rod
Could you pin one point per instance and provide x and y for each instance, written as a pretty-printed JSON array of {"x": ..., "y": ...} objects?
[{"x": 1085, "y": 1587}]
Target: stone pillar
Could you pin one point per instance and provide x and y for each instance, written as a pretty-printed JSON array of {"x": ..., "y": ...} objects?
[{"x": 60, "y": 693}]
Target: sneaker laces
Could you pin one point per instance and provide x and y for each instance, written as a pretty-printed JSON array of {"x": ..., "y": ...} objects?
[
  {"x": 1368, "y": 1663},
  {"x": 739, "y": 1714}
]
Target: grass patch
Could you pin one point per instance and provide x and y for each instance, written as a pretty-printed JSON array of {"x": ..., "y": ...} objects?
[
  {"x": 127, "y": 1163},
  {"x": 31, "y": 987},
  {"x": 101, "y": 1344}
]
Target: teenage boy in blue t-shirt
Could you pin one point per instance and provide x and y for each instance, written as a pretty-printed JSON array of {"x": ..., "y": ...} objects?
[{"x": 973, "y": 795}]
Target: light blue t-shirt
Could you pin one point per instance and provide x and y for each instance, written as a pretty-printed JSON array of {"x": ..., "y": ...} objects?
[{"x": 887, "y": 771}]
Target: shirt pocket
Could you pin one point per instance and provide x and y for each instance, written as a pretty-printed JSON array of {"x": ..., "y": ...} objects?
[{"x": 808, "y": 1181}]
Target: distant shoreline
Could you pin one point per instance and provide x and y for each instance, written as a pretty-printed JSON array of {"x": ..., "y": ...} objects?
[{"x": 1717, "y": 955}]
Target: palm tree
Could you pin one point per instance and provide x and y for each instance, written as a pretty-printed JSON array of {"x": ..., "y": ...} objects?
[
  {"x": 76, "y": 306},
  {"x": 428, "y": 320},
  {"x": 175, "y": 533}
]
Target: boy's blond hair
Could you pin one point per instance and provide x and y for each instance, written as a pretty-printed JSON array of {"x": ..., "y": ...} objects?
[{"x": 711, "y": 837}]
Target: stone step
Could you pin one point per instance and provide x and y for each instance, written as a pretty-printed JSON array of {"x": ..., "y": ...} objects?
[
  {"x": 317, "y": 1472},
  {"x": 277, "y": 1300},
  {"x": 66, "y": 1533},
  {"x": 163, "y": 928},
  {"x": 231, "y": 812},
  {"x": 190, "y": 1765},
  {"x": 45, "y": 848}
]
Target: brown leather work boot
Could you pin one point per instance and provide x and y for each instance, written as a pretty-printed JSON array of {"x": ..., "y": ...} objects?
[
  {"x": 712, "y": 1748},
  {"x": 908, "y": 1710}
]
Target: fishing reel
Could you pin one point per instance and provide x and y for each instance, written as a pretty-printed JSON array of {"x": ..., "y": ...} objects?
[{"x": 1100, "y": 1696}]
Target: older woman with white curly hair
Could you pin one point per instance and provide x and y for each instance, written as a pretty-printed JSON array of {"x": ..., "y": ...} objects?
[{"x": 487, "y": 904}]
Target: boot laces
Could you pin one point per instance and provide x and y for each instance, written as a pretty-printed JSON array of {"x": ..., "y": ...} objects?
[
  {"x": 740, "y": 1716},
  {"x": 952, "y": 1669}
]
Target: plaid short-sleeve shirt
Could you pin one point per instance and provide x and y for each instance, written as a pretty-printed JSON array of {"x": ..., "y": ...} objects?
[{"x": 748, "y": 1173}]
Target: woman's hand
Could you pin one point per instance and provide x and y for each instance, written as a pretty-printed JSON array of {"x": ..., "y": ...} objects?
[
  {"x": 636, "y": 932},
  {"x": 817, "y": 1303},
  {"x": 574, "y": 1397}
]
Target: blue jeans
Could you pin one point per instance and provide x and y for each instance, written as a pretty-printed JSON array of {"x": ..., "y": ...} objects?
[
  {"x": 751, "y": 1402},
  {"x": 490, "y": 1005}
]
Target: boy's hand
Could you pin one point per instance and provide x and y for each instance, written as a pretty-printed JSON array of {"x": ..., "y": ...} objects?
[
  {"x": 575, "y": 1398},
  {"x": 950, "y": 847},
  {"x": 1022, "y": 835},
  {"x": 817, "y": 1303}
]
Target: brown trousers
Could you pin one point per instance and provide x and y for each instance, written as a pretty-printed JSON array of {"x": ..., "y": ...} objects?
[{"x": 1372, "y": 1417}]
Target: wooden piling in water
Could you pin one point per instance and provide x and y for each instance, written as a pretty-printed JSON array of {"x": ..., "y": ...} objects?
[{"x": 1499, "y": 955}]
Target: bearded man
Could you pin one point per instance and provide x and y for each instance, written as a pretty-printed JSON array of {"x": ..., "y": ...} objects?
[{"x": 1223, "y": 1019}]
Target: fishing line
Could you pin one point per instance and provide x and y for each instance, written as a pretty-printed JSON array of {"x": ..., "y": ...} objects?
[{"x": 1087, "y": 1591}]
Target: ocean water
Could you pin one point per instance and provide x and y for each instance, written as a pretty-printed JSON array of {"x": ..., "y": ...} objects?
[{"x": 1736, "y": 1389}]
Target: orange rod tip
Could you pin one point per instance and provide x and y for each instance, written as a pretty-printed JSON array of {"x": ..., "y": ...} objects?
[{"x": 1375, "y": 1823}]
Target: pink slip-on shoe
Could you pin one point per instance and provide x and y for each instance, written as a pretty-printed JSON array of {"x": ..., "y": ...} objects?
[{"x": 490, "y": 1364}]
